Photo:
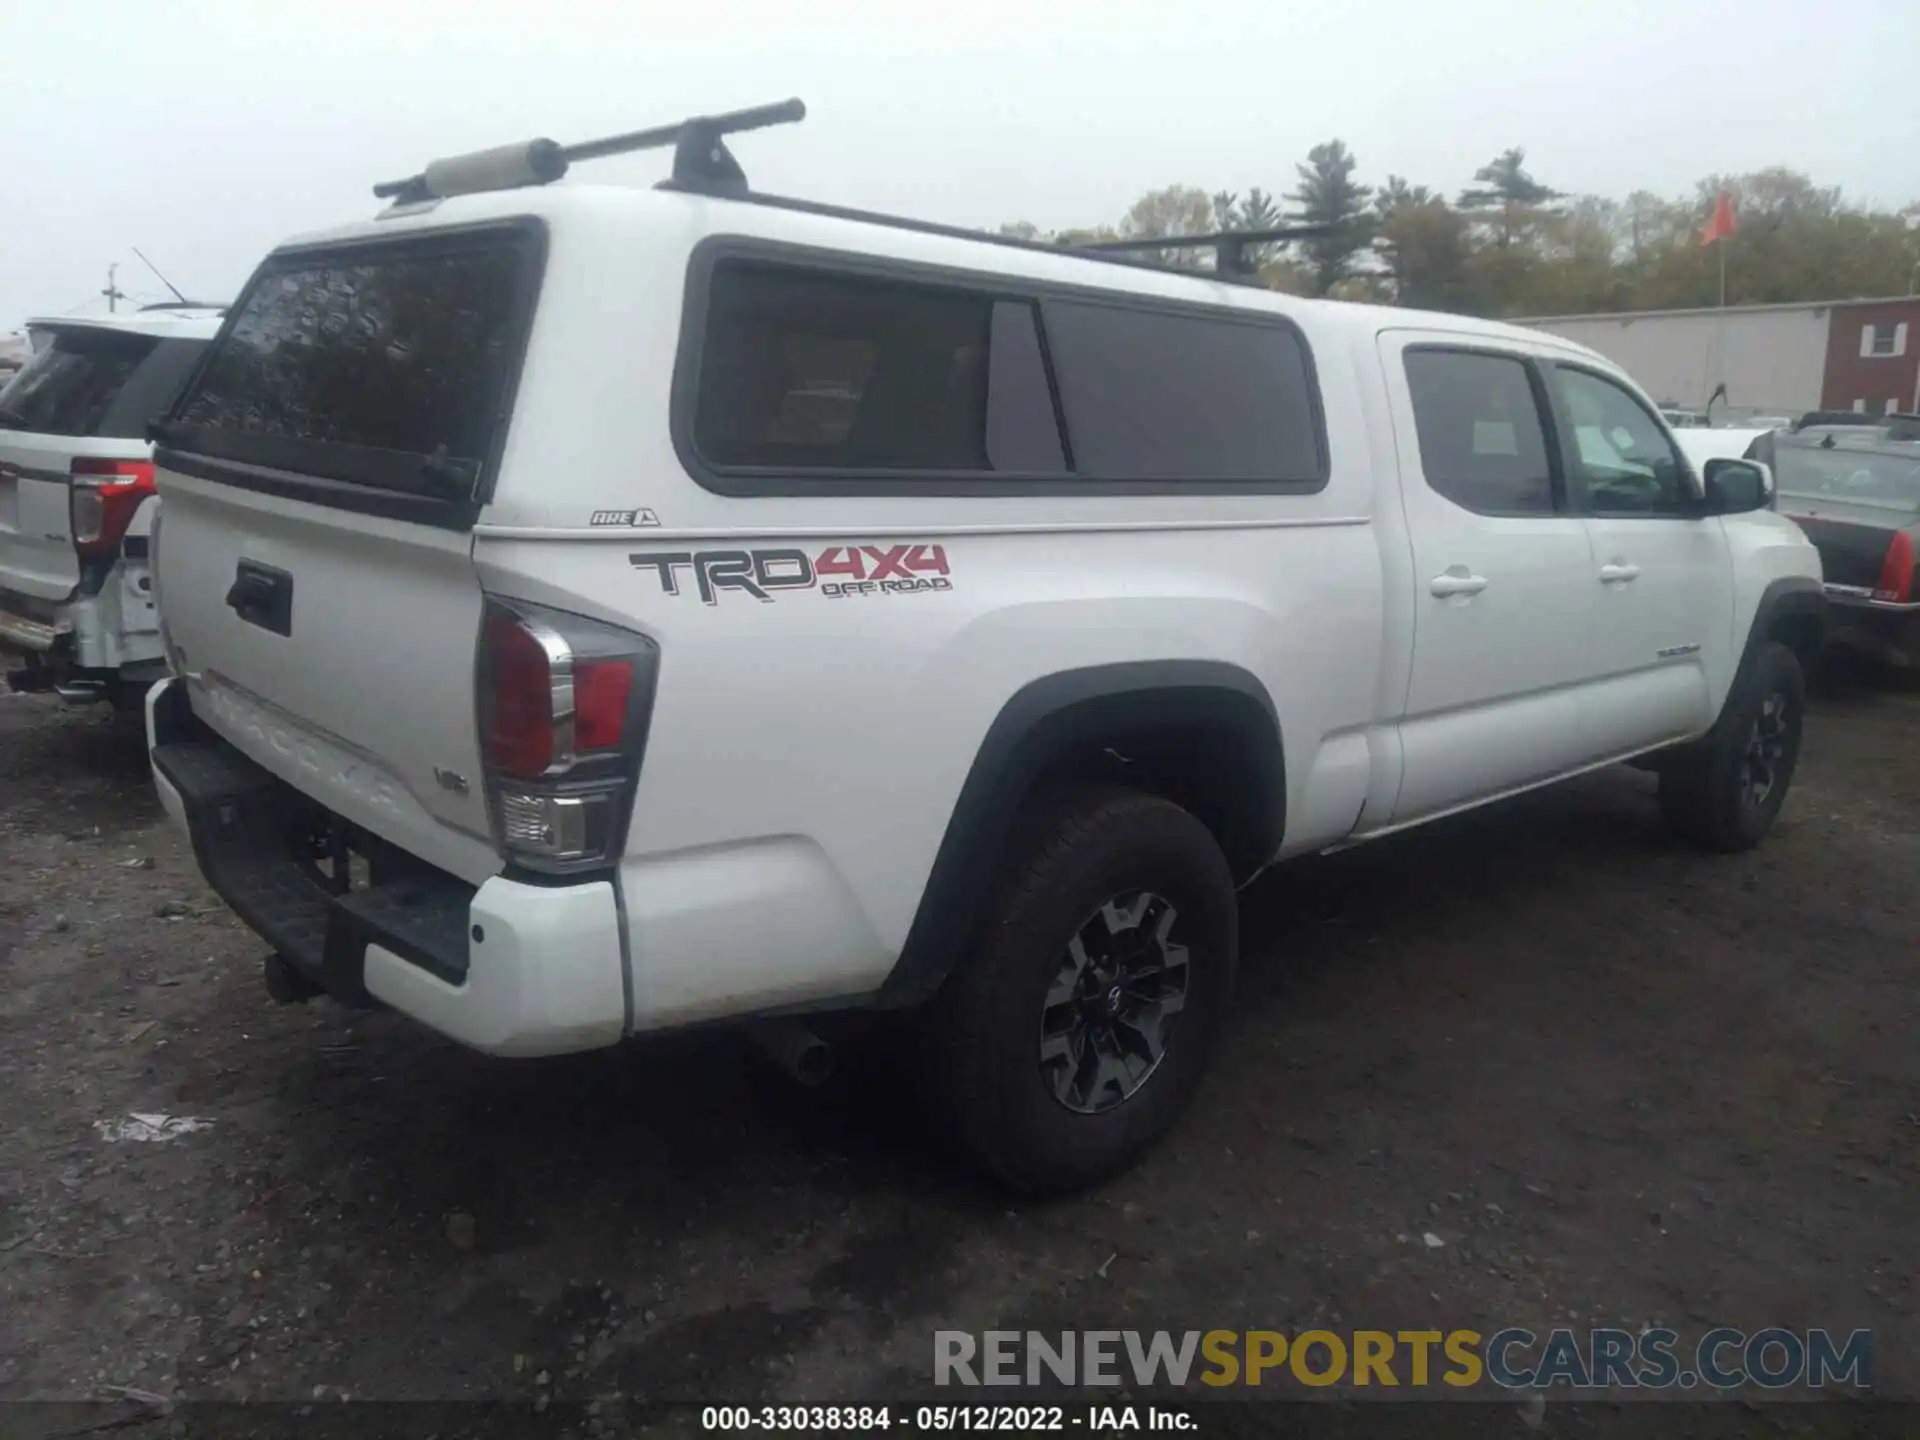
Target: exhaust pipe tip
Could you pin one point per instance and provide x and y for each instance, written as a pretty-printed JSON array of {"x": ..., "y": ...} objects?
[
  {"x": 80, "y": 692},
  {"x": 797, "y": 1050}
]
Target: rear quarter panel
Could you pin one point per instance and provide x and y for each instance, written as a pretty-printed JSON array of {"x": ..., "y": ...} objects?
[{"x": 840, "y": 730}]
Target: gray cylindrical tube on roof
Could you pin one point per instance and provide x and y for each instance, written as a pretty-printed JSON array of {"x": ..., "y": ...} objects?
[{"x": 506, "y": 167}]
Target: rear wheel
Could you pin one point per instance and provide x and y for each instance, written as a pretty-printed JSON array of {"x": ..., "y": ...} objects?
[
  {"x": 1724, "y": 793},
  {"x": 1074, "y": 1035}
]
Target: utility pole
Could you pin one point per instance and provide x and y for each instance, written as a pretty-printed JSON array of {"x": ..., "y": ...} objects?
[{"x": 113, "y": 292}]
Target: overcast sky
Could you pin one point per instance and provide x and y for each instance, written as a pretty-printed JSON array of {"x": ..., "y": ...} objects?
[{"x": 205, "y": 130}]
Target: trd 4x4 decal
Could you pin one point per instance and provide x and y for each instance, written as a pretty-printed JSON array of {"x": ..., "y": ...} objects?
[{"x": 838, "y": 572}]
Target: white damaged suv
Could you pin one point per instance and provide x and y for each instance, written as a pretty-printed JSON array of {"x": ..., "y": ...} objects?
[
  {"x": 77, "y": 500},
  {"x": 597, "y": 611}
]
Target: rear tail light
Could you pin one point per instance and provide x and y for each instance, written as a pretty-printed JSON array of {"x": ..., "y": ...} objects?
[
  {"x": 1896, "y": 571},
  {"x": 106, "y": 493},
  {"x": 564, "y": 703}
]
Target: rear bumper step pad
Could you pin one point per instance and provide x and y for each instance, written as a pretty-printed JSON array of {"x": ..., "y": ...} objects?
[{"x": 238, "y": 817}]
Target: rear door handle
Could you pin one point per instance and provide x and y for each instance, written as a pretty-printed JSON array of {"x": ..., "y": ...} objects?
[
  {"x": 1618, "y": 573},
  {"x": 1457, "y": 581}
]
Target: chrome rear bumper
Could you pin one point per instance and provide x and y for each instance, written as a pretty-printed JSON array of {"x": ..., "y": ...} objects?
[{"x": 1862, "y": 598}]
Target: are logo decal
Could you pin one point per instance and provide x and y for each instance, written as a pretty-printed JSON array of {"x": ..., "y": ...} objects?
[
  {"x": 840, "y": 572},
  {"x": 624, "y": 519}
]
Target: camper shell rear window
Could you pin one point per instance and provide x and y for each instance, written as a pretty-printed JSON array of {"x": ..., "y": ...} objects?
[{"x": 389, "y": 366}]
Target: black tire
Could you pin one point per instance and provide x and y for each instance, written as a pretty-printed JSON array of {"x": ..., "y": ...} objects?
[
  {"x": 1723, "y": 793},
  {"x": 1088, "y": 854}
]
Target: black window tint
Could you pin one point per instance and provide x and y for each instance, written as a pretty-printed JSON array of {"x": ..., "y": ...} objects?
[
  {"x": 804, "y": 370},
  {"x": 1152, "y": 395},
  {"x": 358, "y": 369},
  {"x": 1623, "y": 459},
  {"x": 1481, "y": 441},
  {"x": 70, "y": 384}
]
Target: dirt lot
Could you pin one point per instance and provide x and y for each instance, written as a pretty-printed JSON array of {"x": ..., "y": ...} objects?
[{"x": 1621, "y": 1082}]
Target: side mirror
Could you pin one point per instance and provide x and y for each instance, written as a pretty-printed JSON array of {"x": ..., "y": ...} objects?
[{"x": 1736, "y": 486}]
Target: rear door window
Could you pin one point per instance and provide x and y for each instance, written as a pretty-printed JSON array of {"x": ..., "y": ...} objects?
[
  {"x": 387, "y": 365},
  {"x": 93, "y": 382},
  {"x": 1482, "y": 443}
]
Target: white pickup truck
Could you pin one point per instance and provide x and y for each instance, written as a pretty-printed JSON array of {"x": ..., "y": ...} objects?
[{"x": 597, "y": 611}]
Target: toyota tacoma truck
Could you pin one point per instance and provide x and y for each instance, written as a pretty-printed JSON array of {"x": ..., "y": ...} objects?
[{"x": 595, "y": 611}]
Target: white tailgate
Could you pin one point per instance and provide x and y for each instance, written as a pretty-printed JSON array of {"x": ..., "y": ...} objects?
[
  {"x": 368, "y": 705},
  {"x": 36, "y": 522}
]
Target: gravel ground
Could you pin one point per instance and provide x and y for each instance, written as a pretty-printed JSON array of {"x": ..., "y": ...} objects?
[{"x": 1621, "y": 1082}]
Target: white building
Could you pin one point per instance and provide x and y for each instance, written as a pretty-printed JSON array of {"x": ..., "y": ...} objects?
[{"x": 1773, "y": 359}]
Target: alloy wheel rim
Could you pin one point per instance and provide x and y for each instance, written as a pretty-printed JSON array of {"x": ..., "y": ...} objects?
[
  {"x": 1115, "y": 994},
  {"x": 1764, "y": 757}
]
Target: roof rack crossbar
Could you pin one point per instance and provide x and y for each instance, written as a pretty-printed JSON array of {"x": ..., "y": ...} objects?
[
  {"x": 703, "y": 165},
  {"x": 1230, "y": 247},
  {"x": 701, "y": 159}
]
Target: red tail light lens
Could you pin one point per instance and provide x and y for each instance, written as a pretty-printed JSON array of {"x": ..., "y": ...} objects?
[
  {"x": 105, "y": 495},
  {"x": 601, "y": 690},
  {"x": 563, "y": 709},
  {"x": 1896, "y": 571},
  {"x": 518, "y": 709}
]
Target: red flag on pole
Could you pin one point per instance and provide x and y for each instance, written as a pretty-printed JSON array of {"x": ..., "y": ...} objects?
[{"x": 1721, "y": 225}]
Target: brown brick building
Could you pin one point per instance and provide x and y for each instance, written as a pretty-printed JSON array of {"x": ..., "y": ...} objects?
[{"x": 1873, "y": 356}]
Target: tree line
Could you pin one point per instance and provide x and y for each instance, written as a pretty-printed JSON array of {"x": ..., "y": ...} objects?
[{"x": 1511, "y": 244}]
